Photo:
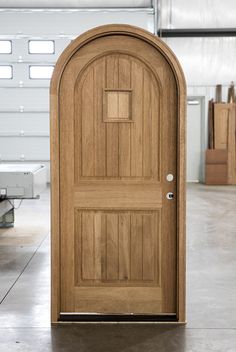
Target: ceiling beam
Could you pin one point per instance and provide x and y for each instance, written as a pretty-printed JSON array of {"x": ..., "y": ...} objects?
[
  {"x": 193, "y": 32},
  {"x": 29, "y": 4}
]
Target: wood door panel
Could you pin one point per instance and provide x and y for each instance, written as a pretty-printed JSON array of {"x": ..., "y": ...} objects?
[
  {"x": 118, "y": 106},
  {"x": 112, "y": 196},
  {"x": 134, "y": 159},
  {"x": 117, "y": 300},
  {"x": 221, "y": 125},
  {"x": 125, "y": 150},
  {"x": 118, "y": 248}
]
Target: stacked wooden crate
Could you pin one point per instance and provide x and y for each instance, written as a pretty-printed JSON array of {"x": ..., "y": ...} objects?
[
  {"x": 220, "y": 157},
  {"x": 216, "y": 167}
]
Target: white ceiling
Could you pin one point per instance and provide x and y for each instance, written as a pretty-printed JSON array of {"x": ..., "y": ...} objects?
[{"x": 75, "y": 3}]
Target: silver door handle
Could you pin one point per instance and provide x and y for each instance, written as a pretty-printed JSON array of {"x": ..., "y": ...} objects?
[{"x": 170, "y": 195}]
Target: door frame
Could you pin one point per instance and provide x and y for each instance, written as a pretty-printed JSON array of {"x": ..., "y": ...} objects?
[{"x": 63, "y": 60}]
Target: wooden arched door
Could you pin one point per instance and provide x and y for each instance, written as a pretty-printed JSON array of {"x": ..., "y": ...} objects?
[{"x": 117, "y": 217}]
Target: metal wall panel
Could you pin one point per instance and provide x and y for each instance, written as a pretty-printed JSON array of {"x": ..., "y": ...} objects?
[
  {"x": 24, "y": 123},
  {"x": 75, "y": 3},
  {"x": 12, "y": 99},
  {"x": 206, "y": 61},
  {"x": 198, "y": 14},
  {"x": 24, "y": 148}
]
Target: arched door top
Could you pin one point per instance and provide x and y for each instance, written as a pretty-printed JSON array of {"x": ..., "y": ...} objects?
[{"x": 108, "y": 30}]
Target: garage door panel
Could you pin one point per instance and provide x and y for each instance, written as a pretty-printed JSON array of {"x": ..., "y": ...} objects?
[
  {"x": 29, "y": 123},
  {"x": 25, "y": 148},
  {"x": 30, "y": 99}
]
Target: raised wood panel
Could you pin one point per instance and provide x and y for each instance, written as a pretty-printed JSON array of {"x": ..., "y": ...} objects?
[
  {"x": 131, "y": 196},
  {"x": 232, "y": 146},
  {"x": 224, "y": 135},
  {"x": 116, "y": 248},
  {"x": 117, "y": 300},
  {"x": 113, "y": 90},
  {"x": 221, "y": 125},
  {"x": 117, "y": 105}
]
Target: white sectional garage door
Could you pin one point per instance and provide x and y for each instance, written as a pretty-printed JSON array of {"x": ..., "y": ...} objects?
[{"x": 30, "y": 42}]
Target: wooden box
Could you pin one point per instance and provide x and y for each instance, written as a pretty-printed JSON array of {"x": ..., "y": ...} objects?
[
  {"x": 216, "y": 172},
  {"x": 216, "y": 156}
]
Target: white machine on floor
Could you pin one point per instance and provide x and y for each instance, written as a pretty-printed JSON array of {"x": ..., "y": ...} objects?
[{"x": 19, "y": 181}]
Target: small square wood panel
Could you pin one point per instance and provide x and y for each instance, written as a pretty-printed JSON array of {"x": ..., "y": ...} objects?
[{"x": 117, "y": 105}]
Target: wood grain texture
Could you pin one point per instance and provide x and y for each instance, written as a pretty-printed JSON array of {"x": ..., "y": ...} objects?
[
  {"x": 137, "y": 247},
  {"x": 137, "y": 111},
  {"x": 221, "y": 125},
  {"x": 225, "y": 136},
  {"x": 66, "y": 219},
  {"x": 216, "y": 169},
  {"x": 124, "y": 148},
  {"x": 87, "y": 246},
  {"x": 124, "y": 246},
  {"x": 146, "y": 300},
  {"x": 168, "y": 228},
  {"x": 117, "y": 105},
  {"x": 116, "y": 300},
  {"x": 55, "y": 219},
  {"x": 116, "y": 247},
  {"x": 216, "y": 156},
  {"x": 87, "y": 126},
  {"x": 99, "y": 127},
  {"x": 231, "y": 171},
  {"x": 103, "y": 196},
  {"x": 216, "y": 174}
]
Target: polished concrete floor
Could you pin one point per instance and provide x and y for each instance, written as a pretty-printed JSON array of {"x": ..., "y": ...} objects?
[{"x": 211, "y": 286}]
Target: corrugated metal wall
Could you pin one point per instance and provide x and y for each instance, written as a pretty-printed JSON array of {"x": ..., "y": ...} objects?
[{"x": 198, "y": 14}]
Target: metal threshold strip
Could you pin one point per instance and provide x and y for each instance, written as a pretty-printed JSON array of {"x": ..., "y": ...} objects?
[{"x": 87, "y": 317}]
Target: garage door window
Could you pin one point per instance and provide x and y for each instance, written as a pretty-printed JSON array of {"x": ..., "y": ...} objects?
[
  {"x": 6, "y": 72},
  {"x": 41, "y": 47},
  {"x": 40, "y": 72},
  {"x": 5, "y": 47}
]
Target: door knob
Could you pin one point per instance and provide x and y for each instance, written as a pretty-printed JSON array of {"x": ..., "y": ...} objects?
[
  {"x": 169, "y": 177},
  {"x": 170, "y": 195}
]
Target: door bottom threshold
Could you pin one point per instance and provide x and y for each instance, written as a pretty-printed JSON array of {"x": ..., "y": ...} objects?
[{"x": 73, "y": 317}]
